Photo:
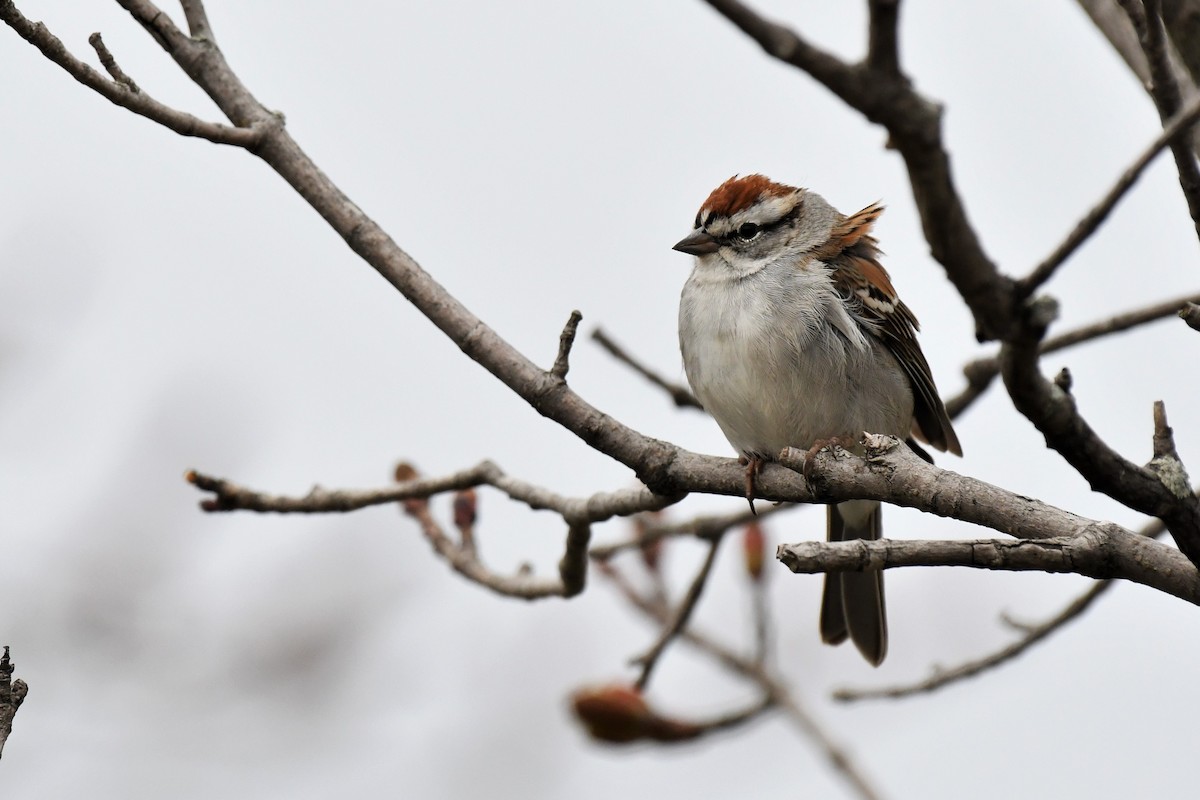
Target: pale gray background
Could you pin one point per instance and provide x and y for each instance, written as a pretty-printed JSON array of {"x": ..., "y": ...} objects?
[{"x": 166, "y": 303}]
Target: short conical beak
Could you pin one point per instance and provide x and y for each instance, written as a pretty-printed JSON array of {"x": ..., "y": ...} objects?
[{"x": 697, "y": 243}]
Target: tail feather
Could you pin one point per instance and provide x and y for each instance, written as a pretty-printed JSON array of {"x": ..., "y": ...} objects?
[{"x": 853, "y": 605}]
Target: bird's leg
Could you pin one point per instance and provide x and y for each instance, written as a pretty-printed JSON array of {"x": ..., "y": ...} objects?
[
  {"x": 818, "y": 445},
  {"x": 753, "y": 465}
]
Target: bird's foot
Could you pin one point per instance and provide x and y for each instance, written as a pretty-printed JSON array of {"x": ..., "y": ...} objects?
[
  {"x": 818, "y": 446},
  {"x": 753, "y": 465}
]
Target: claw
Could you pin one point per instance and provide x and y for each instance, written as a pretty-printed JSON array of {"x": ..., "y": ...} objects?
[
  {"x": 754, "y": 466},
  {"x": 811, "y": 454}
]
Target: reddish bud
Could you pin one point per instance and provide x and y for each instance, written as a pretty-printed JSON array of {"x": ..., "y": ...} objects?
[
  {"x": 754, "y": 546},
  {"x": 407, "y": 472},
  {"x": 651, "y": 549},
  {"x": 464, "y": 509},
  {"x": 618, "y": 714}
]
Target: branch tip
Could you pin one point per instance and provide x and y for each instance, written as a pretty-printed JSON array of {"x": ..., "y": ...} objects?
[{"x": 566, "y": 340}]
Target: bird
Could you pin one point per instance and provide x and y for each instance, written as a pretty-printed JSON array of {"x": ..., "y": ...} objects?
[{"x": 792, "y": 335}]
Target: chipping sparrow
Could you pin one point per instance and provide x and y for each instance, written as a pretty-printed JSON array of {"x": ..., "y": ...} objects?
[{"x": 792, "y": 335}]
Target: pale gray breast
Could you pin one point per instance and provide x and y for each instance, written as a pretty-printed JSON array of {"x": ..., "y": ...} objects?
[{"x": 773, "y": 372}]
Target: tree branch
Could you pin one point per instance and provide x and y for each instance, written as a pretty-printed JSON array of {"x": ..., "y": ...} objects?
[
  {"x": 1055, "y": 414},
  {"x": 679, "y": 619},
  {"x": 1165, "y": 90},
  {"x": 943, "y": 677},
  {"x": 839, "y": 759},
  {"x": 124, "y": 93},
  {"x": 883, "y": 51},
  {"x": 12, "y": 694},
  {"x": 679, "y": 393},
  {"x": 562, "y": 363},
  {"x": 914, "y": 125},
  {"x": 1174, "y": 130},
  {"x": 1109, "y": 553},
  {"x": 982, "y": 371}
]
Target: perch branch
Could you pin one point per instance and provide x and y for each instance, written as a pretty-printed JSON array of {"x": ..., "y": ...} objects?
[{"x": 1032, "y": 634}]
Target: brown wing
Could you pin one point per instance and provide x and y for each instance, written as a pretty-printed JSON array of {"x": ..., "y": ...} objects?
[{"x": 854, "y": 255}]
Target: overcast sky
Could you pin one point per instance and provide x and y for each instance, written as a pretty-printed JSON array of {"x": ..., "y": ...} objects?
[{"x": 167, "y": 304}]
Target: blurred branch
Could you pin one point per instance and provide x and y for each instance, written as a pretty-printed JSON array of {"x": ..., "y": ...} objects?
[
  {"x": 679, "y": 393},
  {"x": 12, "y": 694},
  {"x": 982, "y": 371},
  {"x": 701, "y": 527},
  {"x": 1164, "y": 88},
  {"x": 1178, "y": 126},
  {"x": 883, "y": 50},
  {"x": 772, "y": 687},
  {"x": 1033, "y": 634},
  {"x": 943, "y": 677},
  {"x": 679, "y": 619}
]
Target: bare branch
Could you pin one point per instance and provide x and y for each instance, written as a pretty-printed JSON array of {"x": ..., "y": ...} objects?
[
  {"x": 678, "y": 392},
  {"x": 1055, "y": 414},
  {"x": 883, "y": 52},
  {"x": 1032, "y": 634},
  {"x": 970, "y": 669},
  {"x": 12, "y": 694},
  {"x": 1182, "y": 18},
  {"x": 1177, "y": 127},
  {"x": 110, "y": 63},
  {"x": 702, "y": 527},
  {"x": 914, "y": 125},
  {"x": 232, "y": 497},
  {"x": 572, "y": 567},
  {"x": 197, "y": 19},
  {"x": 562, "y": 363},
  {"x": 467, "y": 564},
  {"x": 839, "y": 759},
  {"x": 120, "y": 93},
  {"x": 679, "y": 619},
  {"x": 595, "y": 508},
  {"x": 1111, "y": 553},
  {"x": 981, "y": 372},
  {"x": 1165, "y": 90}
]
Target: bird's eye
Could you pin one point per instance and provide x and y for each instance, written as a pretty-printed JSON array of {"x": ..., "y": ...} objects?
[{"x": 748, "y": 231}]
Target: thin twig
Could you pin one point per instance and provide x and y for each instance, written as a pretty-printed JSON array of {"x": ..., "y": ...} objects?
[
  {"x": 942, "y": 677},
  {"x": 121, "y": 94},
  {"x": 562, "y": 363},
  {"x": 521, "y": 585},
  {"x": 598, "y": 507},
  {"x": 981, "y": 372},
  {"x": 1146, "y": 17},
  {"x": 702, "y": 527},
  {"x": 679, "y": 393},
  {"x": 1032, "y": 634},
  {"x": 110, "y": 63},
  {"x": 680, "y": 619},
  {"x": 1179, "y": 125},
  {"x": 839, "y": 759}
]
